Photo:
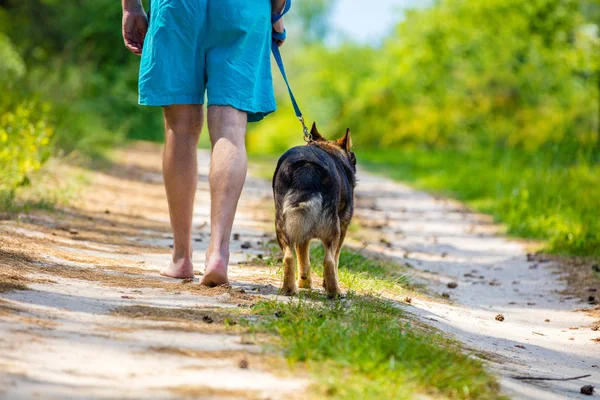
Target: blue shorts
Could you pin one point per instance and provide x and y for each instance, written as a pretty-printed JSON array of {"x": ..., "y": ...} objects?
[{"x": 219, "y": 46}]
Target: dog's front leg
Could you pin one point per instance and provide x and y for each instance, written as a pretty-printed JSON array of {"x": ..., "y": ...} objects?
[
  {"x": 289, "y": 273},
  {"x": 302, "y": 252}
]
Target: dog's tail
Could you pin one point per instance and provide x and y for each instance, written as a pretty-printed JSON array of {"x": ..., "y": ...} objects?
[{"x": 301, "y": 215}]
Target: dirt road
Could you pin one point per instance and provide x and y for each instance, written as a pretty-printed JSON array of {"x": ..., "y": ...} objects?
[
  {"x": 460, "y": 255},
  {"x": 78, "y": 334}
]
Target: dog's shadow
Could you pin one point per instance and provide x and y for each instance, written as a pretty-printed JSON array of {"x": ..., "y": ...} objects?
[
  {"x": 270, "y": 290},
  {"x": 256, "y": 288}
]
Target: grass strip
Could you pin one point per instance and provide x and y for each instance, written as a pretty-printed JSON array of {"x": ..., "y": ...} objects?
[
  {"x": 360, "y": 273},
  {"x": 364, "y": 346}
]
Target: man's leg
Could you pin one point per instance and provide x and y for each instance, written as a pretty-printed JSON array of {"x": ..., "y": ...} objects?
[
  {"x": 183, "y": 124},
  {"x": 228, "y": 167}
]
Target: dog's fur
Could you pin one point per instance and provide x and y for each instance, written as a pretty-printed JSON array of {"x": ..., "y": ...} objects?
[{"x": 313, "y": 187}]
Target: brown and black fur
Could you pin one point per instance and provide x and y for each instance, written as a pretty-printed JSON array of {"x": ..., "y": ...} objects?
[{"x": 313, "y": 187}]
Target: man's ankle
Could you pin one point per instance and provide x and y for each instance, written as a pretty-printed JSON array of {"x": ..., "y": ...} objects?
[{"x": 181, "y": 255}]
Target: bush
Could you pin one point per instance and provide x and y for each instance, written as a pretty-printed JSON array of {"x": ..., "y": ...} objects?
[
  {"x": 496, "y": 74},
  {"x": 25, "y": 127},
  {"x": 25, "y": 134}
]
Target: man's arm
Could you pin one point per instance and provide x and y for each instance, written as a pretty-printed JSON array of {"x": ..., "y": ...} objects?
[{"x": 135, "y": 25}]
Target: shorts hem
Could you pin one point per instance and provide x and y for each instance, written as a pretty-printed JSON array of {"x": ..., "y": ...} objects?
[
  {"x": 255, "y": 113},
  {"x": 168, "y": 100}
]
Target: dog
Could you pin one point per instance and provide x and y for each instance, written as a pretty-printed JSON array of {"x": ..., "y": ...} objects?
[{"x": 313, "y": 188}]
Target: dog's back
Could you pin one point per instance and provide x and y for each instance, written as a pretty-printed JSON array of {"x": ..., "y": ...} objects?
[{"x": 309, "y": 187}]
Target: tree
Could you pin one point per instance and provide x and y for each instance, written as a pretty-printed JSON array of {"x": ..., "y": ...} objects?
[{"x": 312, "y": 16}]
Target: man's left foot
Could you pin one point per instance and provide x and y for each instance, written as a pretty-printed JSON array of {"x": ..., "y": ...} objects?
[
  {"x": 216, "y": 272},
  {"x": 182, "y": 269}
]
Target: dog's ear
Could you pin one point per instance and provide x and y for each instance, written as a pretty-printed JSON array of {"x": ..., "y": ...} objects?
[
  {"x": 345, "y": 142},
  {"x": 315, "y": 133}
]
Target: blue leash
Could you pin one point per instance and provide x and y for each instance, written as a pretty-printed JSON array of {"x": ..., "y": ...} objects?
[{"x": 277, "y": 55}]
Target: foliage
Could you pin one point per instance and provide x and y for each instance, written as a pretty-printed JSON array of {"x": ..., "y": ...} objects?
[
  {"x": 24, "y": 142},
  {"x": 312, "y": 18},
  {"x": 323, "y": 80},
  {"x": 11, "y": 65},
  {"x": 497, "y": 74},
  {"x": 76, "y": 62},
  {"x": 25, "y": 125}
]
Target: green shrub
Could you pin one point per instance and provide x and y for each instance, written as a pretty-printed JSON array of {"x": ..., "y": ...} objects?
[
  {"x": 11, "y": 64},
  {"x": 25, "y": 134},
  {"x": 25, "y": 127}
]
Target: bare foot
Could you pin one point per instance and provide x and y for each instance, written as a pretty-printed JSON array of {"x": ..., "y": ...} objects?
[
  {"x": 216, "y": 272},
  {"x": 182, "y": 269}
]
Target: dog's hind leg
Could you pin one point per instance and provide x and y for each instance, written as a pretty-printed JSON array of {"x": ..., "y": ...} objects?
[
  {"x": 289, "y": 273},
  {"x": 344, "y": 229},
  {"x": 302, "y": 252},
  {"x": 330, "y": 279}
]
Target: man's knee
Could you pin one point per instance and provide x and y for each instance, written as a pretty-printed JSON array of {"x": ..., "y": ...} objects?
[
  {"x": 226, "y": 121},
  {"x": 184, "y": 118}
]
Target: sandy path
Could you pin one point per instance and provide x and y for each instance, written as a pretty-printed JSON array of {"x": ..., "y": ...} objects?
[
  {"x": 64, "y": 342},
  {"x": 446, "y": 243}
]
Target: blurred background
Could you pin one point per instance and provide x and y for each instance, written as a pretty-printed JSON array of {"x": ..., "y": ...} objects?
[{"x": 493, "y": 102}]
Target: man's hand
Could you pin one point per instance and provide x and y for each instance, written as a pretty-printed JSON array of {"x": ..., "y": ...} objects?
[
  {"x": 278, "y": 27},
  {"x": 135, "y": 26},
  {"x": 276, "y": 8}
]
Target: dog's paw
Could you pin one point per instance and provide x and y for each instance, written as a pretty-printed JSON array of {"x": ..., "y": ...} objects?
[
  {"x": 304, "y": 283},
  {"x": 288, "y": 290},
  {"x": 334, "y": 293}
]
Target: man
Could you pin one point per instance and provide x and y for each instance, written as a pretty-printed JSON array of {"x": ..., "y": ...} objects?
[{"x": 189, "y": 46}]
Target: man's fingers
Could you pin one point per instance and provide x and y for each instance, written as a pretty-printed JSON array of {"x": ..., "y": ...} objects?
[
  {"x": 280, "y": 43},
  {"x": 135, "y": 27},
  {"x": 134, "y": 48}
]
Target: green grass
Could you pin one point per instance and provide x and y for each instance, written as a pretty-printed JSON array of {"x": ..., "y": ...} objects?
[
  {"x": 364, "y": 347},
  {"x": 555, "y": 201},
  {"x": 358, "y": 272}
]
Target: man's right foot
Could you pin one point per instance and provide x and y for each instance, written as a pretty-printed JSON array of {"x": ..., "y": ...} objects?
[
  {"x": 216, "y": 272},
  {"x": 182, "y": 269}
]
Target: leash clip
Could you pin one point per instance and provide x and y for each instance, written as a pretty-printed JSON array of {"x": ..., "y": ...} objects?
[{"x": 307, "y": 135}]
